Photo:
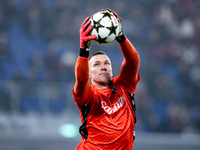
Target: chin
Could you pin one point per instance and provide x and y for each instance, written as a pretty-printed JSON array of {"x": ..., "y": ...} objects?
[{"x": 106, "y": 81}]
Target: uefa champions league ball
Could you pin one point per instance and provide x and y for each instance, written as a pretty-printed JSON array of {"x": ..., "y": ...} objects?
[{"x": 105, "y": 27}]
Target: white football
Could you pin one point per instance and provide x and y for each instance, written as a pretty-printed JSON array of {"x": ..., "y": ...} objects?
[{"x": 105, "y": 27}]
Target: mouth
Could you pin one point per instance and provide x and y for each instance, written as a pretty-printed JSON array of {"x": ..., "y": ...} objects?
[{"x": 103, "y": 74}]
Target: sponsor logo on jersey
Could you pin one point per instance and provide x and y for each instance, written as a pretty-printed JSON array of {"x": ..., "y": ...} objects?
[{"x": 115, "y": 107}]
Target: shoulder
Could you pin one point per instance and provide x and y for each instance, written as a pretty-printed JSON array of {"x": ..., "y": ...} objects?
[
  {"x": 80, "y": 101},
  {"x": 115, "y": 79},
  {"x": 129, "y": 86}
]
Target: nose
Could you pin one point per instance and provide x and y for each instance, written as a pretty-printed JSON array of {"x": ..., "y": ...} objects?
[{"x": 103, "y": 68}]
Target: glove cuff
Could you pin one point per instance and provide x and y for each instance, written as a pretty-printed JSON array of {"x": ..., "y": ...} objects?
[
  {"x": 84, "y": 53},
  {"x": 121, "y": 39}
]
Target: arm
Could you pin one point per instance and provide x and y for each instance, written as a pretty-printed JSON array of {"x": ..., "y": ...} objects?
[
  {"x": 82, "y": 85},
  {"x": 130, "y": 64}
]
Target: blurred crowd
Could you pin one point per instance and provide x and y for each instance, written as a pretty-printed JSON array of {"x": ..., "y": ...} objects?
[{"x": 39, "y": 44}]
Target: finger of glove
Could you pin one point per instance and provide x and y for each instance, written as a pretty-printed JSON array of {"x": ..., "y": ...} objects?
[
  {"x": 85, "y": 21},
  {"x": 90, "y": 37},
  {"x": 83, "y": 26},
  {"x": 119, "y": 20},
  {"x": 113, "y": 13},
  {"x": 87, "y": 31},
  {"x": 86, "y": 26}
]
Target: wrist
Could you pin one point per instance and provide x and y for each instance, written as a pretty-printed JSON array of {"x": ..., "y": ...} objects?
[
  {"x": 84, "y": 53},
  {"x": 121, "y": 38}
]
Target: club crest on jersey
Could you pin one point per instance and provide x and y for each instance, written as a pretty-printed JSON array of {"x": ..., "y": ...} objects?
[{"x": 115, "y": 107}]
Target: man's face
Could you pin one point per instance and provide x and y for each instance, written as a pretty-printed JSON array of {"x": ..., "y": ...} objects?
[{"x": 100, "y": 69}]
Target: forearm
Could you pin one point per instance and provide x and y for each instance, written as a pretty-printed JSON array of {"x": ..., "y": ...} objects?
[
  {"x": 130, "y": 65},
  {"x": 82, "y": 85},
  {"x": 82, "y": 70},
  {"x": 130, "y": 54}
]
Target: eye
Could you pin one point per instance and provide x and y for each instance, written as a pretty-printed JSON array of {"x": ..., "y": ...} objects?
[
  {"x": 97, "y": 64},
  {"x": 107, "y": 63}
]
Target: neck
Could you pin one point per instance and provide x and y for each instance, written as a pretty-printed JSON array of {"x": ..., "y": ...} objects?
[{"x": 102, "y": 85}]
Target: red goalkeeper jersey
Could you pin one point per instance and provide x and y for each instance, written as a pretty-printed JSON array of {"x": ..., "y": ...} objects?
[{"x": 111, "y": 120}]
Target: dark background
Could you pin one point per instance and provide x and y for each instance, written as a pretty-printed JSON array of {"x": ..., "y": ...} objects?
[{"x": 39, "y": 44}]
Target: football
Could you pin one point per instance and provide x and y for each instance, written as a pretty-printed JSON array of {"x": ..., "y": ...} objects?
[{"x": 105, "y": 27}]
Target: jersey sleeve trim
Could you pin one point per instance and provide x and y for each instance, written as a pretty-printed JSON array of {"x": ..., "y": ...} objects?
[{"x": 85, "y": 58}]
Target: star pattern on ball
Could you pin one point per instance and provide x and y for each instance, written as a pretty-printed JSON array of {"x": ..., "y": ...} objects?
[
  {"x": 101, "y": 40},
  {"x": 97, "y": 25},
  {"x": 107, "y": 14},
  {"x": 112, "y": 29},
  {"x": 104, "y": 26}
]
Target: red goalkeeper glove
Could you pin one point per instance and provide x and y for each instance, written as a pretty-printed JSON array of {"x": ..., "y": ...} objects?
[
  {"x": 85, "y": 38},
  {"x": 120, "y": 37}
]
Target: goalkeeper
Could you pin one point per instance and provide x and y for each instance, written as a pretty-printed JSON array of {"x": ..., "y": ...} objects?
[{"x": 106, "y": 103}]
